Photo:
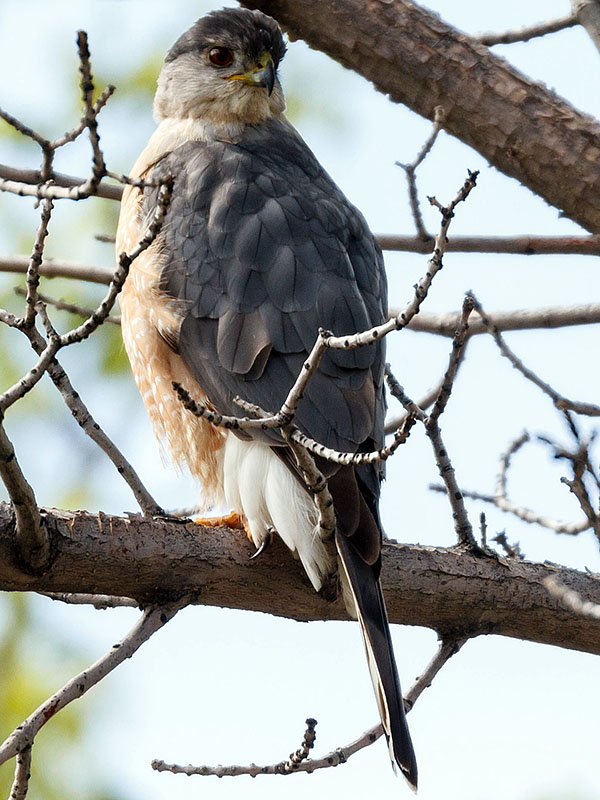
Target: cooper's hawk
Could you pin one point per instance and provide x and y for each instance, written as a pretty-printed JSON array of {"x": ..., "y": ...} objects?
[{"x": 260, "y": 249}]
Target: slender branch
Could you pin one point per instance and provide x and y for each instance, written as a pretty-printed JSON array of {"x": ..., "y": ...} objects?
[
  {"x": 22, "y": 775},
  {"x": 561, "y": 402},
  {"x": 456, "y": 357},
  {"x": 516, "y": 245},
  {"x": 588, "y": 15},
  {"x": 519, "y": 320},
  {"x": 317, "y": 487},
  {"x": 76, "y": 132},
  {"x": 410, "y": 172},
  {"x": 99, "y": 601},
  {"x": 89, "y": 425},
  {"x": 525, "y": 514},
  {"x": 31, "y": 378},
  {"x": 33, "y": 275},
  {"x": 17, "y": 180},
  {"x": 340, "y": 755},
  {"x": 56, "y": 268},
  {"x": 530, "y": 32},
  {"x": 31, "y": 536},
  {"x": 571, "y": 599},
  {"x": 500, "y": 498},
  {"x": 151, "y": 621},
  {"x": 72, "y": 308}
]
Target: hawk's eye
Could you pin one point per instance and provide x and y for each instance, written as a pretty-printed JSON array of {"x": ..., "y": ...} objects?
[{"x": 220, "y": 56}]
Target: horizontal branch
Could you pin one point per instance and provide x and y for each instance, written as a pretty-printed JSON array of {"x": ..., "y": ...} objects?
[
  {"x": 56, "y": 268},
  {"x": 34, "y": 178},
  {"x": 519, "y": 320},
  {"x": 448, "y": 590},
  {"x": 514, "y": 245}
]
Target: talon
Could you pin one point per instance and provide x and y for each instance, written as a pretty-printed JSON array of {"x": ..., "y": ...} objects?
[{"x": 266, "y": 542}]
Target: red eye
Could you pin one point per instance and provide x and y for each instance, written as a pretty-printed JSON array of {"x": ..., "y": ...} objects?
[{"x": 220, "y": 56}]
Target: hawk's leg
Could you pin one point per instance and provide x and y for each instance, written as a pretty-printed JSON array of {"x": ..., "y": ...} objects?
[
  {"x": 239, "y": 521},
  {"x": 233, "y": 520}
]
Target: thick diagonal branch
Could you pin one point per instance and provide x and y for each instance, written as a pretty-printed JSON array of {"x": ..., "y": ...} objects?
[{"x": 409, "y": 53}]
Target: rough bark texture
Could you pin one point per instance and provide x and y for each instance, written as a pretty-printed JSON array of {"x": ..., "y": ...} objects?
[
  {"x": 448, "y": 590},
  {"x": 519, "y": 126}
]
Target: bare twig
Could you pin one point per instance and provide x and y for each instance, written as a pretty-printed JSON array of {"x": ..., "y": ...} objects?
[
  {"x": 307, "y": 745},
  {"x": 56, "y": 268},
  {"x": 530, "y": 32},
  {"x": 588, "y": 16},
  {"x": 31, "y": 378},
  {"x": 32, "y": 539},
  {"x": 511, "y": 550},
  {"x": 125, "y": 260},
  {"x": 561, "y": 402},
  {"x": 577, "y": 487},
  {"x": 517, "y": 245},
  {"x": 99, "y": 601},
  {"x": 410, "y": 172},
  {"x": 500, "y": 498},
  {"x": 26, "y": 181},
  {"x": 33, "y": 276},
  {"x": 483, "y": 529},
  {"x": 72, "y": 308},
  {"x": 340, "y": 755},
  {"x": 317, "y": 487},
  {"x": 264, "y": 420},
  {"x": 151, "y": 621},
  {"x": 22, "y": 775},
  {"x": 84, "y": 418},
  {"x": 518, "y": 320},
  {"x": 73, "y": 134},
  {"x": 456, "y": 357},
  {"x": 571, "y": 599},
  {"x": 525, "y": 514}
]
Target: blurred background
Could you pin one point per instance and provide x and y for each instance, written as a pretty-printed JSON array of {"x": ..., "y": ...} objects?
[{"x": 505, "y": 719}]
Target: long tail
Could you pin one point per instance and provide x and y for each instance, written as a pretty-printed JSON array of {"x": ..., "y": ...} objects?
[{"x": 368, "y": 599}]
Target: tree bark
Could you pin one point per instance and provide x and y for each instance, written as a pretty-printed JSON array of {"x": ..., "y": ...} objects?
[
  {"x": 447, "y": 589},
  {"x": 518, "y": 125}
]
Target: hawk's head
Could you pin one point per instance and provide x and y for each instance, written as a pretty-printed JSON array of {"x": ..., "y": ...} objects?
[{"x": 225, "y": 68}]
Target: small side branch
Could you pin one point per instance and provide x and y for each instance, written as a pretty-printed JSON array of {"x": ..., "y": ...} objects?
[
  {"x": 516, "y": 245},
  {"x": 571, "y": 599},
  {"x": 561, "y": 402},
  {"x": 32, "y": 539},
  {"x": 22, "y": 775},
  {"x": 410, "y": 172},
  {"x": 530, "y": 32},
  {"x": 448, "y": 647}
]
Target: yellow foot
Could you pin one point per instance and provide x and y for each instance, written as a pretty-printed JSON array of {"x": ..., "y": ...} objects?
[{"x": 233, "y": 520}]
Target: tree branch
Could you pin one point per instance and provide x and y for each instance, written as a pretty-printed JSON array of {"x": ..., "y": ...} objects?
[
  {"x": 448, "y": 590},
  {"x": 518, "y": 125},
  {"x": 525, "y": 34},
  {"x": 515, "y": 245}
]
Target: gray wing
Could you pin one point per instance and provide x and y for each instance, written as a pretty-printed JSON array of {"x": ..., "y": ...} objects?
[{"x": 263, "y": 250}]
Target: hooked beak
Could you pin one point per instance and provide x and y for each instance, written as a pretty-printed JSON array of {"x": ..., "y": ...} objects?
[{"x": 265, "y": 76}]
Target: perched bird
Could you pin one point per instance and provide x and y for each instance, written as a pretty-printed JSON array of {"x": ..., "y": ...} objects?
[{"x": 260, "y": 249}]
